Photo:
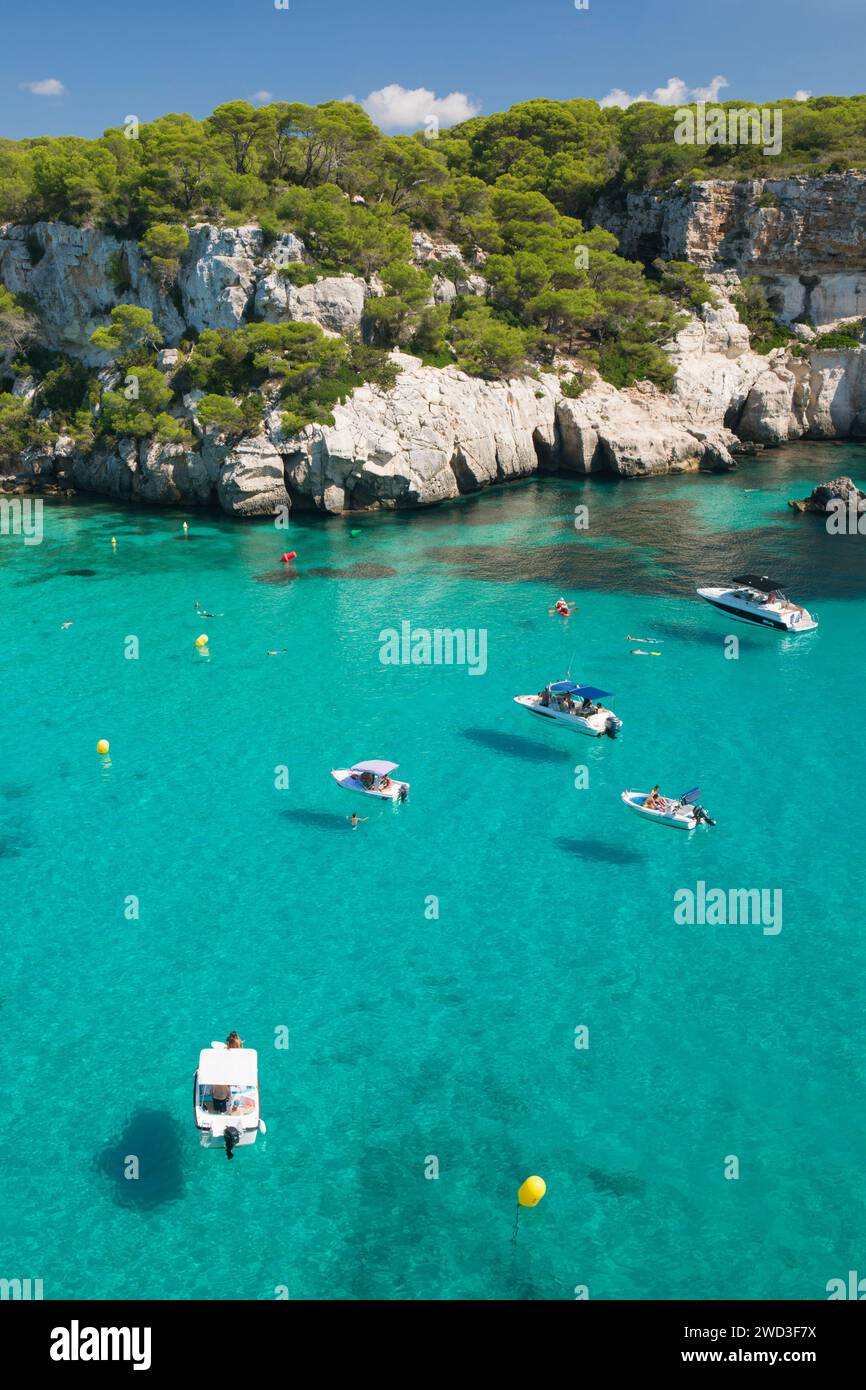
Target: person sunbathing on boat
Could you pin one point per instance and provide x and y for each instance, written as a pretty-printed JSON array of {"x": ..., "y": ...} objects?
[
  {"x": 385, "y": 783},
  {"x": 654, "y": 802}
]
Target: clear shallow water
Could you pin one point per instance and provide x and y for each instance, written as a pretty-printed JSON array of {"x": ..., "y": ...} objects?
[{"x": 453, "y": 1037}]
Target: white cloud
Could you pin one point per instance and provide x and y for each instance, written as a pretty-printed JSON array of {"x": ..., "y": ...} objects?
[
  {"x": 397, "y": 108},
  {"x": 801, "y": 94},
  {"x": 45, "y": 87},
  {"x": 675, "y": 92},
  {"x": 262, "y": 98}
]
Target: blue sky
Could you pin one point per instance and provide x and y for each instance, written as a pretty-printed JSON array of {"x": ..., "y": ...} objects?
[{"x": 113, "y": 58}]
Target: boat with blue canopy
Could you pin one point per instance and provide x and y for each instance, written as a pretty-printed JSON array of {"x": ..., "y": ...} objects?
[{"x": 577, "y": 706}]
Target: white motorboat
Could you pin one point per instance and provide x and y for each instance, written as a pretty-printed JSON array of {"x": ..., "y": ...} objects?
[
  {"x": 683, "y": 814},
  {"x": 373, "y": 779},
  {"x": 757, "y": 599},
  {"x": 225, "y": 1097},
  {"x": 576, "y": 706}
]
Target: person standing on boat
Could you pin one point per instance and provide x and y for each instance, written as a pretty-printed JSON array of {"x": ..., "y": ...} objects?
[{"x": 221, "y": 1096}]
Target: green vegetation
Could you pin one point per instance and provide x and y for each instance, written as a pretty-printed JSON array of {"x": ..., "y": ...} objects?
[
  {"x": 18, "y": 428},
  {"x": 294, "y": 365},
  {"x": 245, "y": 162},
  {"x": 17, "y": 325},
  {"x": 510, "y": 190},
  {"x": 163, "y": 245},
  {"x": 755, "y": 312},
  {"x": 684, "y": 283},
  {"x": 131, "y": 332},
  {"x": 850, "y": 335},
  {"x": 297, "y": 273}
]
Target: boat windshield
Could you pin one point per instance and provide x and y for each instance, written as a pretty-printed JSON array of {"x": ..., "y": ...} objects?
[{"x": 227, "y": 1100}]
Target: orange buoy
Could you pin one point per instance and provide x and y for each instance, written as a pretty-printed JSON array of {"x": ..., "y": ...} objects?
[{"x": 289, "y": 555}]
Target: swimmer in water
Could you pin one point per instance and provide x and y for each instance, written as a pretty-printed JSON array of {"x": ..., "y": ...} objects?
[
  {"x": 356, "y": 820},
  {"x": 281, "y": 652},
  {"x": 65, "y": 625}
]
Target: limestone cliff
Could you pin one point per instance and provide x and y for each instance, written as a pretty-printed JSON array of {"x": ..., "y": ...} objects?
[
  {"x": 439, "y": 433},
  {"x": 805, "y": 238}
]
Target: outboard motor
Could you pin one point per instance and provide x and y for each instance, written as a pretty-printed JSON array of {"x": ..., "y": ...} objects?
[
  {"x": 612, "y": 726},
  {"x": 701, "y": 815},
  {"x": 232, "y": 1137},
  {"x": 402, "y": 793}
]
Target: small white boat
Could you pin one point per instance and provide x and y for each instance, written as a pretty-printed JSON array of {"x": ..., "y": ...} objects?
[
  {"x": 373, "y": 779},
  {"x": 683, "y": 814},
  {"x": 757, "y": 599},
  {"x": 576, "y": 706},
  {"x": 225, "y": 1097}
]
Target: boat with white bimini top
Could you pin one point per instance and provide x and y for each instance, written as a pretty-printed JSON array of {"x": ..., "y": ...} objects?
[
  {"x": 225, "y": 1097},
  {"x": 373, "y": 778},
  {"x": 576, "y": 706},
  {"x": 683, "y": 814},
  {"x": 757, "y": 599}
]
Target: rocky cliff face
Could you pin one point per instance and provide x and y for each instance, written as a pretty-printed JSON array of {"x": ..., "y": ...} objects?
[
  {"x": 76, "y": 276},
  {"x": 804, "y": 238},
  {"x": 440, "y": 433}
]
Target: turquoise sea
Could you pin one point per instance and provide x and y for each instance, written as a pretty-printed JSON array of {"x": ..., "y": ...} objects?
[{"x": 411, "y": 1036}]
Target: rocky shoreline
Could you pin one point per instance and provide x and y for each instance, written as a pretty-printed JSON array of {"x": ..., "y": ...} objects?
[{"x": 438, "y": 433}]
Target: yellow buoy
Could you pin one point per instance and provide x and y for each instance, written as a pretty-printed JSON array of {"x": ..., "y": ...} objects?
[
  {"x": 201, "y": 641},
  {"x": 103, "y": 746},
  {"x": 530, "y": 1193}
]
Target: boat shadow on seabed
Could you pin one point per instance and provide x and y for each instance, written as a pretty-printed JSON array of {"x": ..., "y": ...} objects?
[
  {"x": 514, "y": 745},
  {"x": 153, "y": 1139}
]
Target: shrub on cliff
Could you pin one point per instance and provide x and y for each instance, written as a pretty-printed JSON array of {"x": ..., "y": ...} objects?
[
  {"x": 684, "y": 283},
  {"x": 134, "y": 409},
  {"x": 17, "y": 326},
  {"x": 754, "y": 310},
  {"x": 226, "y": 416},
  {"x": 19, "y": 429},
  {"x": 293, "y": 363},
  {"x": 850, "y": 335},
  {"x": 394, "y": 318},
  {"x": 163, "y": 245},
  {"x": 485, "y": 345},
  {"x": 130, "y": 332},
  {"x": 64, "y": 389}
]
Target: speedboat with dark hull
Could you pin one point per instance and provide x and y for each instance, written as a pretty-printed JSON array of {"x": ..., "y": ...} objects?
[{"x": 761, "y": 601}]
